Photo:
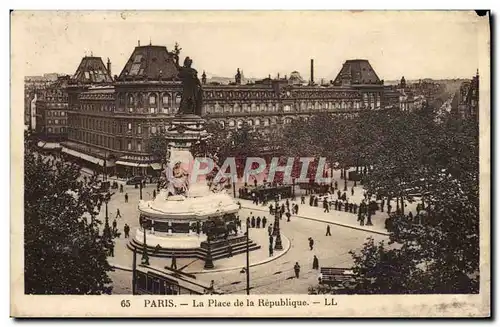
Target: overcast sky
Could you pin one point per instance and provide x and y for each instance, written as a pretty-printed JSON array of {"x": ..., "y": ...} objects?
[{"x": 413, "y": 44}]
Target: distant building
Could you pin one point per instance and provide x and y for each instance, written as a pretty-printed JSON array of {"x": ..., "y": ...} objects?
[
  {"x": 51, "y": 111},
  {"x": 468, "y": 104}
]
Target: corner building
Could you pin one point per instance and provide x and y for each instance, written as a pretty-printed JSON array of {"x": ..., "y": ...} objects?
[{"x": 110, "y": 120}]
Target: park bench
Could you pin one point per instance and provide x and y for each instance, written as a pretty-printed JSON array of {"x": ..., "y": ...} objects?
[{"x": 334, "y": 276}]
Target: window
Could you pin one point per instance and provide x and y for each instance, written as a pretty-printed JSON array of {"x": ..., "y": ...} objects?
[
  {"x": 231, "y": 123},
  {"x": 50, "y": 122},
  {"x": 286, "y": 108},
  {"x": 63, "y": 113},
  {"x": 257, "y": 121},
  {"x": 63, "y": 129},
  {"x": 250, "y": 122},
  {"x": 222, "y": 124},
  {"x": 129, "y": 145},
  {"x": 153, "y": 129},
  {"x": 152, "y": 99},
  {"x": 266, "y": 122},
  {"x": 139, "y": 129},
  {"x": 139, "y": 146},
  {"x": 130, "y": 109},
  {"x": 166, "y": 100},
  {"x": 129, "y": 126},
  {"x": 49, "y": 130},
  {"x": 152, "y": 110}
]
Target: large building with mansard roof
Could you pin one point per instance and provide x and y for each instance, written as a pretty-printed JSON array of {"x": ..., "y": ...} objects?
[{"x": 110, "y": 120}]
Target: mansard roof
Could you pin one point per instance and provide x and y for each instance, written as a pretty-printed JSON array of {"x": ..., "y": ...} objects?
[
  {"x": 357, "y": 71},
  {"x": 91, "y": 70},
  {"x": 150, "y": 62}
]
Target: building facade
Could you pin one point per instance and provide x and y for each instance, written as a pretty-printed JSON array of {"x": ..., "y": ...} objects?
[
  {"x": 51, "y": 111},
  {"x": 111, "y": 120},
  {"x": 468, "y": 101}
]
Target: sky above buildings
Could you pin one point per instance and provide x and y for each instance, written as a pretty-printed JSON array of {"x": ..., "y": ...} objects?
[{"x": 413, "y": 44}]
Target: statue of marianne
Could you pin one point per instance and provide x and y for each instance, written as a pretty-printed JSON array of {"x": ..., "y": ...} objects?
[{"x": 191, "y": 101}]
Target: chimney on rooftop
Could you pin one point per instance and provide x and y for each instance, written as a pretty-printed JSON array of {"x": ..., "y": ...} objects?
[
  {"x": 312, "y": 71},
  {"x": 108, "y": 67}
]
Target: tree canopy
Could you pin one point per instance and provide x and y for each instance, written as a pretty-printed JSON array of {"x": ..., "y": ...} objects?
[{"x": 65, "y": 251}]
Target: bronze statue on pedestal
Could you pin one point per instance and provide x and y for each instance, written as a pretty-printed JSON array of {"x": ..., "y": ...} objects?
[{"x": 191, "y": 101}]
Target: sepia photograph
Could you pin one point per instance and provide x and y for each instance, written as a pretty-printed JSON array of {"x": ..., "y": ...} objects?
[{"x": 250, "y": 163}]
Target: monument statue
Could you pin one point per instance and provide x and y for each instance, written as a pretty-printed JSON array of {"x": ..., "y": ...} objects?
[
  {"x": 191, "y": 100},
  {"x": 177, "y": 180}
]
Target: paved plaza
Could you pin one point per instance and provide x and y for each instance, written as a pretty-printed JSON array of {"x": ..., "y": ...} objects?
[{"x": 268, "y": 274}]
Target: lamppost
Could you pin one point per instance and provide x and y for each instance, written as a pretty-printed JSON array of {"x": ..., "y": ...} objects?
[
  {"x": 107, "y": 229},
  {"x": 248, "y": 259},
  {"x": 234, "y": 186},
  {"x": 293, "y": 188},
  {"x": 145, "y": 257},
  {"x": 140, "y": 191},
  {"x": 276, "y": 231},
  {"x": 209, "y": 264}
]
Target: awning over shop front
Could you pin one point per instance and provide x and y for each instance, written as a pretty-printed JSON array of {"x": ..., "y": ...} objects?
[
  {"x": 131, "y": 164},
  {"x": 48, "y": 145},
  {"x": 83, "y": 156},
  {"x": 156, "y": 166}
]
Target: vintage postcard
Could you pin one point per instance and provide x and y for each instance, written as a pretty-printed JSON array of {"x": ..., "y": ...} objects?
[{"x": 250, "y": 164}]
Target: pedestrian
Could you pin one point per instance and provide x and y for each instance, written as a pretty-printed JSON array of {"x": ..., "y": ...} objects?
[
  {"x": 264, "y": 222},
  {"x": 270, "y": 240},
  {"x": 118, "y": 215},
  {"x": 121, "y": 188},
  {"x": 282, "y": 208},
  {"x": 114, "y": 224},
  {"x": 230, "y": 250},
  {"x": 270, "y": 229},
  {"x": 302, "y": 199},
  {"x": 311, "y": 243},
  {"x": 382, "y": 205},
  {"x": 126, "y": 230},
  {"x": 389, "y": 208},
  {"x": 340, "y": 205},
  {"x": 154, "y": 194},
  {"x": 258, "y": 221},
  {"x": 296, "y": 268},
  {"x": 350, "y": 207},
  {"x": 126, "y": 197},
  {"x": 325, "y": 206},
  {"x": 173, "y": 265},
  {"x": 328, "y": 231},
  {"x": 346, "y": 207},
  {"x": 248, "y": 222},
  {"x": 315, "y": 263},
  {"x": 288, "y": 215},
  {"x": 112, "y": 249},
  {"x": 336, "y": 185},
  {"x": 271, "y": 250},
  {"x": 352, "y": 191},
  {"x": 355, "y": 208},
  {"x": 253, "y": 222},
  {"x": 255, "y": 182},
  {"x": 337, "y": 205},
  {"x": 311, "y": 200},
  {"x": 271, "y": 211},
  {"x": 296, "y": 209}
]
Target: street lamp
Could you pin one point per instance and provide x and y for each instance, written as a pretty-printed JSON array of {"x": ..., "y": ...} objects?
[
  {"x": 145, "y": 257},
  {"x": 209, "y": 263},
  {"x": 276, "y": 231},
  {"x": 140, "y": 191},
  {"x": 107, "y": 229}
]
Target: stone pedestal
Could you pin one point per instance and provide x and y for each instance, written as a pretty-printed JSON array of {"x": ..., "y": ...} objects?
[{"x": 186, "y": 130}]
